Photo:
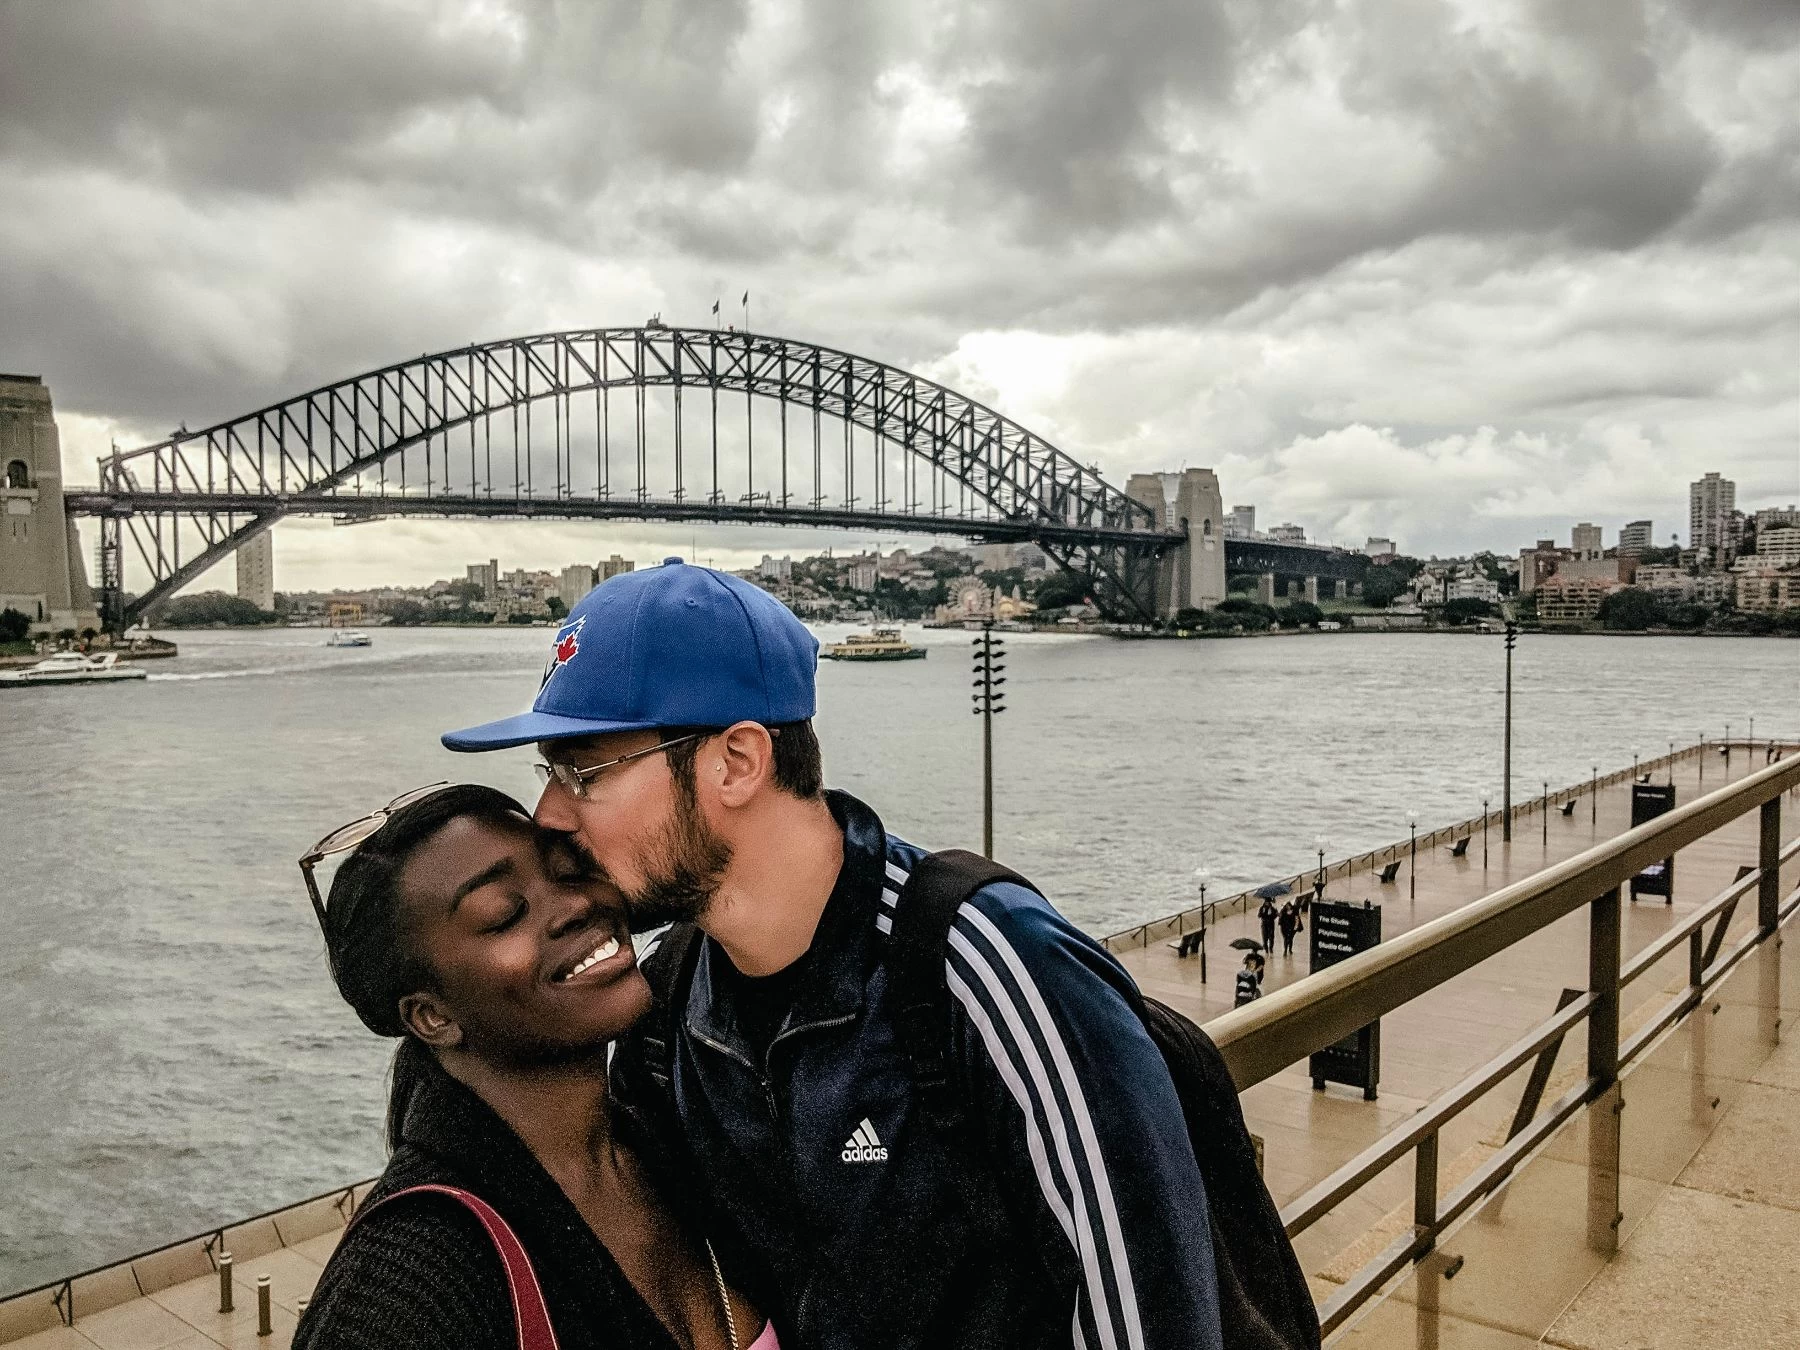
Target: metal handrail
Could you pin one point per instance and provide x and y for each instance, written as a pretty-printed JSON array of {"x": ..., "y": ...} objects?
[{"x": 1262, "y": 1038}]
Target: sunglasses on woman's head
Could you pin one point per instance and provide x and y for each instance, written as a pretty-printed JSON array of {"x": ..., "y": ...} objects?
[{"x": 346, "y": 837}]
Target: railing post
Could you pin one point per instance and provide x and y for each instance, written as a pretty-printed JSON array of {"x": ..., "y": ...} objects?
[
  {"x": 1768, "y": 858},
  {"x": 1425, "y": 1191},
  {"x": 1605, "y": 1104}
]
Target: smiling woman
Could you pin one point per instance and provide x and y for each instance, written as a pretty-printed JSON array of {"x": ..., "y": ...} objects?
[{"x": 505, "y": 966}]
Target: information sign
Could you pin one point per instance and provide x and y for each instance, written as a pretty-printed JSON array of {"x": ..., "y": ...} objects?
[{"x": 1340, "y": 931}]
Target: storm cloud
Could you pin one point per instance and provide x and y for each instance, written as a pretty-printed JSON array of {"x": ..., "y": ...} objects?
[{"x": 1459, "y": 273}]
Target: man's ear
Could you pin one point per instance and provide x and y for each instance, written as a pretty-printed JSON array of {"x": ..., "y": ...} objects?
[
  {"x": 738, "y": 762},
  {"x": 430, "y": 1021}
]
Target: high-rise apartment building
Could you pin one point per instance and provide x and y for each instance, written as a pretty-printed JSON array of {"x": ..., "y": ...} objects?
[
  {"x": 487, "y": 576},
  {"x": 615, "y": 566},
  {"x": 1380, "y": 548},
  {"x": 1585, "y": 540},
  {"x": 1240, "y": 522},
  {"x": 1635, "y": 537},
  {"x": 1710, "y": 504},
  {"x": 577, "y": 580},
  {"x": 256, "y": 571}
]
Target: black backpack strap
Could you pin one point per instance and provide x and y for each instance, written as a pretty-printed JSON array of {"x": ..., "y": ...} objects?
[
  {"x": 917, "y": 949},
  {"x": 669, "y": 969}
]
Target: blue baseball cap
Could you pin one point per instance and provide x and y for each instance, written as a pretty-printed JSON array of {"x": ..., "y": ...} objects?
[{"x": 671, "y": 646}]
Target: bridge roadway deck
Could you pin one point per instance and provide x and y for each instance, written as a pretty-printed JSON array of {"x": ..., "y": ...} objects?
[{"x": 1740, "y": 1113}]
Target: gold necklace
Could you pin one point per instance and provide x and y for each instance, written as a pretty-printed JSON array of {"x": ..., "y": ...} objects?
[{"x": 724, "y": 1296}]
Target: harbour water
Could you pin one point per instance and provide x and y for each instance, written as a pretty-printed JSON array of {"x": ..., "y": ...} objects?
[{"x": 172, "y": 1054}]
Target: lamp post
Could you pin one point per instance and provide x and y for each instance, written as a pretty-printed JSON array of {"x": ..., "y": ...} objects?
[
  {"x": 1202, "y": 875},
  {"x": 1484, "y": 834},
  {"x": 1512, "y": 638},
  {"x": 1752, "y": 736},
  {"x": 1594, "y": 796},
  {"x": 1728, "y": 750},
  {"x": 1671, "y": 762},
  {"x": 1544, "y": 810},
  {"x": 1319, "y": 842},
  {"x": 989, "y": 702},
  {"x": 1412, "y": 872},
  {"x": 1634, "y": 764},
  {"x": 1703, "y": 759}
]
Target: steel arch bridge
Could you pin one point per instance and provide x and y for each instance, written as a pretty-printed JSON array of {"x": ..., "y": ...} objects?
[{"x": 577, "y": 425}]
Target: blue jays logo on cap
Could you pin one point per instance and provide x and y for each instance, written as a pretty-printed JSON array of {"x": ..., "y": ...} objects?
[{"x": 563, "y": 650}]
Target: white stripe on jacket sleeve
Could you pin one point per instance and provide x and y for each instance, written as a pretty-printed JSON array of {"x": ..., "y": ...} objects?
[{"x": 1096, "y": 1219}]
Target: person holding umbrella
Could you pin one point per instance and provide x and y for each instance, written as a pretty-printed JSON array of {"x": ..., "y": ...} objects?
[{"x": 1266, "y": 916}]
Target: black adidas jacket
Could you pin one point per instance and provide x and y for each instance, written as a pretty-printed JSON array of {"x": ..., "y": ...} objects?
[{"x": 1071, "y": 1214}]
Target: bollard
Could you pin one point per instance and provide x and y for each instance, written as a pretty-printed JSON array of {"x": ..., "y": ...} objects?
[
  {"x": 224, "y": 1282},
  {"x": 300, "y": 1307},
  {"x": 265, "y": 1325}
]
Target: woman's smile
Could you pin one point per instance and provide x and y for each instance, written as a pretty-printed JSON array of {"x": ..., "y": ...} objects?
[{"x": 595, "y": 964}]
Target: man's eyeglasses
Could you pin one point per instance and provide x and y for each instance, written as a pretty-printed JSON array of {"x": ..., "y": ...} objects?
[
  {"x": 574, "y": 781},
  {"x": 346, "y": 837}
]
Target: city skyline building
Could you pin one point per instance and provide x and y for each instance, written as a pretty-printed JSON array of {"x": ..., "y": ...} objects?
[
  {"x": 1636, "y": 536},
  {"x": 1711, "y": 503},
  {"x": 1240, "y": 522},
  {"x": 256, "y": 571},
  {"x": 577, "y": 580},
  {"x": 487, "y": 576},
  {"x": 1585, "y": 540}
]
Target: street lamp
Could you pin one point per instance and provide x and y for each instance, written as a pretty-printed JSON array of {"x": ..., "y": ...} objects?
[
  {"x": 1412, "y": 872},
  {"x": 1512, "y": 638},
  {"x": 989, "y": 702},
  {"x": 1544, "y": 809},
  {"x": 1594, "y": 796},
  {"x": 1671, "y": 761},
  {"x": 1319, "y": 842},
  {"x": 1203, "y": 875},
  {"x": 1703, "y": 759},
  {"x": 1484, "y": 834},
  {"x": 1634, "y": 764}
]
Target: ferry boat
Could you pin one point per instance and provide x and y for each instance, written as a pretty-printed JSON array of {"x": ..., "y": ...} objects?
[
  {"x": 74, "y": 668},
  {"x": 349, "y": 637},
  {"x": 883, "y": 644}
]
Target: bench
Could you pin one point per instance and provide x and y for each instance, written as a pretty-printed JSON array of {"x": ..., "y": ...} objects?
[
  {"x": 1461, "y": 848},
  {"x": 1188, "y": 944},
  {"x": 1389, "y": 872}
]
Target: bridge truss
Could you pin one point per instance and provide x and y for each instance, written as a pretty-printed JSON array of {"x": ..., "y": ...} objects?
[{"x": 591, "y": 424}]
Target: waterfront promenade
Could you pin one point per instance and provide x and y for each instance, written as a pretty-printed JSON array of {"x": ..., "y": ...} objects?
[{"x": 1712, "y": 1129}]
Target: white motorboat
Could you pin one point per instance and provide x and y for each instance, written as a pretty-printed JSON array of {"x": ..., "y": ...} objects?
[
  {"x": 74, "y": 668},
  {"x": 349, "y": 637}
]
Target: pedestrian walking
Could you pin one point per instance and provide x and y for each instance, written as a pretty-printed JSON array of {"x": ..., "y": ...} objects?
[
  {"x": 1249, "y": 982},
  {"x": 1289, "y": 922},
  {"x": 1267, "y": 915}
]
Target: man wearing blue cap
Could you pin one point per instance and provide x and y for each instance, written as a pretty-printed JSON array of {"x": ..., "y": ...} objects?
[{"x": 1063, "y": 1207}]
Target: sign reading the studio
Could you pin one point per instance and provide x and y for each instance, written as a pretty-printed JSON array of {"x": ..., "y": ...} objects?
[{"x": 1340, "y": 931}]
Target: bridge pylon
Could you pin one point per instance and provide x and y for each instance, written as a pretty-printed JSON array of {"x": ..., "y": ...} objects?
[
  {"x": 41, "y": 572},
  {"x": 1192, "y": 574}
]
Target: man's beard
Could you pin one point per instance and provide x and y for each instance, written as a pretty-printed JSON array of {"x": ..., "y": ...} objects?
[{"x": 684, "y": 869}]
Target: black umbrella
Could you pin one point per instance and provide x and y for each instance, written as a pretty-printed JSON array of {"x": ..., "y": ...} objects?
[
  {"x": 1273, "y": 889},
  {"x": 1246, "y": 944}
]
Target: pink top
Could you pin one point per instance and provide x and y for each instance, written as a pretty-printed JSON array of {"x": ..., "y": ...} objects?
[{"x": 767, "y": 1340}]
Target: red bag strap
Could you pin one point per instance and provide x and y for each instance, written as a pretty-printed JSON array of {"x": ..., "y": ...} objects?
[{"x": 530, "y": 1314}]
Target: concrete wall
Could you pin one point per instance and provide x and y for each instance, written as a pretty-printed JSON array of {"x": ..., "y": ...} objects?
[{"x": 41, "y": 570}]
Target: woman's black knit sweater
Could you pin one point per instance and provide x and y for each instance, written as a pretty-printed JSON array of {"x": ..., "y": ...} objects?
[{"x": 421, "y": 1274}]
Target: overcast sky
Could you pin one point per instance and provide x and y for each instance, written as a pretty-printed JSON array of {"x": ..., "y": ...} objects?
[{"x": 1459, "y": 273}]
